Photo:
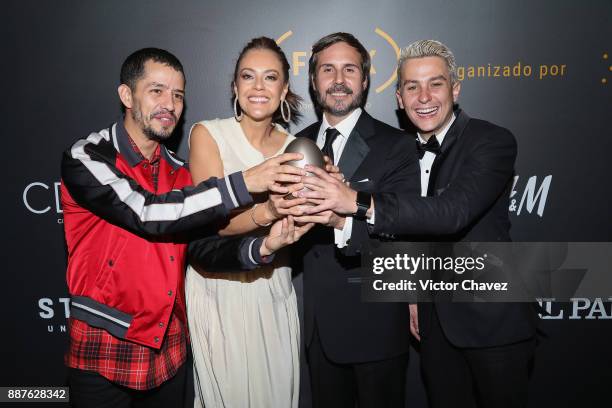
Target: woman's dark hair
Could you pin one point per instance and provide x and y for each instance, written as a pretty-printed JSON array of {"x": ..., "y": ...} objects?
[{"x": 294, "y": 100}]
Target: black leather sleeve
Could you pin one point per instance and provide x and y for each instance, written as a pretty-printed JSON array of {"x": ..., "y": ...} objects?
[{"x": 227, "y": 254}]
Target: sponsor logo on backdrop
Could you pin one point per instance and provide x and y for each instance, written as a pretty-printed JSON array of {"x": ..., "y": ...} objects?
[
  {"x": 529, "y": 195},
  {"x": 576, "y": 309},
  {"x": 517, "y": 70},
  {"x": 43, "y": 198},
  {"x": 54, "y": 312},
  {"x": 384, "y": 72}
]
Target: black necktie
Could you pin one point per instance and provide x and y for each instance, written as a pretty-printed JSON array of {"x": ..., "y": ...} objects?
[
  {"x": 330, "y": 135},
  {"x": 432, "y": 145}
]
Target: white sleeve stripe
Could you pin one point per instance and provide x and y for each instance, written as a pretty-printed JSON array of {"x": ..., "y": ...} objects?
[
  {"x": 175, "y": 160},
  {"x": 101, "y": 314},
  {"x": 231, "y": 191},
  {"x": 251, "y": 252},
  {"x": 114, "y": 133},
  {"x": 134, "y": 199}
]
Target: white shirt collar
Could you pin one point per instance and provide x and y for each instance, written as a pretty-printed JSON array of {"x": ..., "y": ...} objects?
[
  {"x": 440, "y": 136},
  {"x": 345, "y": 126}
]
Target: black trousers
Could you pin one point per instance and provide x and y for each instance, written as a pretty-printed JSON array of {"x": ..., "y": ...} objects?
[
  {"x": 376, "y": 384},
  {"x": 492, "y": 377},
  {"x": 90, "y": 390}
]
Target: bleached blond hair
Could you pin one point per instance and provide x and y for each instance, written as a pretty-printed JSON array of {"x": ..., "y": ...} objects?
[{"x": 428, "y": 48}]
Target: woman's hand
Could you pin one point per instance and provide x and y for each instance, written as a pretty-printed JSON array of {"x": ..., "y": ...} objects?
[
  {"x": 284, "y": 232},
  {"x": 272, "y": 174}
]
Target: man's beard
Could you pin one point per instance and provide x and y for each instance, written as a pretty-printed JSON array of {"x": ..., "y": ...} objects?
[
  {"x": 339, "y": 108},
  {"x": 158, "y": 137},
  {"x": 150, "y": 133}
]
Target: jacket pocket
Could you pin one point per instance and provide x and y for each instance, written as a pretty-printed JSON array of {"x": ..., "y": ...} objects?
[{"x": 109, "y": 264}]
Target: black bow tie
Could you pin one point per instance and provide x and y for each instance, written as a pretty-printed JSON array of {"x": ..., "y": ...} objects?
[{"x": 432, "y": 145}]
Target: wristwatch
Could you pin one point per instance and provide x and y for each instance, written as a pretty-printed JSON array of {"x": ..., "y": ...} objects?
[{"x": 363, "y": 204}]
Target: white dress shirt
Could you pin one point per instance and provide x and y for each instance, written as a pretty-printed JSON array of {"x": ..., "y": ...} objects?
[
  {"x": 428, "y": 158},
  {"x": 345, "y": 127}
]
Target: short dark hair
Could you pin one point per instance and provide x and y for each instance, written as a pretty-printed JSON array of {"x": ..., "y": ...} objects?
[
  {"x": 294, "y": 100},
  {"x": 133, "y": 66},
  {"x": 332, "y": 39}
]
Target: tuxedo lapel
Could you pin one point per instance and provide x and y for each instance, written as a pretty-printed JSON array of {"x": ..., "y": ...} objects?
[
  {"x": 450, "y": 139},
  {"x": 356, "y": 148}
]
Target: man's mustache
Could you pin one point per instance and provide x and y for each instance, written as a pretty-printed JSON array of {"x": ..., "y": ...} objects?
[
  {"x": 339, "y": 88},
  {"x": 163, "y": 112}
]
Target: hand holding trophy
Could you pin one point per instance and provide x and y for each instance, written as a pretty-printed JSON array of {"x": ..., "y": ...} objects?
[
  {"x": 321, "y": 169},
  {"x": 311, "y": 154}
]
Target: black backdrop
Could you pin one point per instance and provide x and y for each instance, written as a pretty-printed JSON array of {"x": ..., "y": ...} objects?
[{"x": 539, "y": 68}]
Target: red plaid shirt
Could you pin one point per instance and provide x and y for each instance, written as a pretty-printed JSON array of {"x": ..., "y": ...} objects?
[{"x": 123, "y": 362}]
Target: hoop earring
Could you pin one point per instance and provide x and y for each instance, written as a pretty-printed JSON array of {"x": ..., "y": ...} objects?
[
  {"x": 286, "y": 117},
  {"x": 238, "y": 118}
]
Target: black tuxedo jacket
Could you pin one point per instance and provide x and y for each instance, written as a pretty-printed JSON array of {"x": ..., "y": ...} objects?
[
  {"x": 376, "y": 158},
  {"x": 468, "y": 198}
]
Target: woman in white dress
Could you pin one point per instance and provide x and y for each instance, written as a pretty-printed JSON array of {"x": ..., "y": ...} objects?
[{"x": 244, "y": 325}]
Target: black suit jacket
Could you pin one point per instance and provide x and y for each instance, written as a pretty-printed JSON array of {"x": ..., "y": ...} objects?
[
  {"x": 468, "y": 198},
  {"x": 350, "y": 330}
]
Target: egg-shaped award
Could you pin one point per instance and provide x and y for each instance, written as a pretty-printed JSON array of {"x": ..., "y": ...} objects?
[{"x": 312, "y": 155}]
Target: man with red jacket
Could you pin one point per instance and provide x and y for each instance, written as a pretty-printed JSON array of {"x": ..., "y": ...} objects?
[{"x": 129, "y": 209}]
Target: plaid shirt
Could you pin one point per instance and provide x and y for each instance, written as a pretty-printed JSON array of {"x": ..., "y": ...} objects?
[{"x": 123, "y": 362}]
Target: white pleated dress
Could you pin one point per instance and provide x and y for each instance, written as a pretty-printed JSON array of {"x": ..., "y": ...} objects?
[{"x": 244, "y": 326}]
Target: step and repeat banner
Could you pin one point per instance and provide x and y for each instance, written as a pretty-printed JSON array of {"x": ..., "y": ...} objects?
[{"x": 539, "y": 68}]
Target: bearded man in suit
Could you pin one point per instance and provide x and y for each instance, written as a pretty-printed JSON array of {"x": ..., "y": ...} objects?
[{"x": 357, "y": 352}]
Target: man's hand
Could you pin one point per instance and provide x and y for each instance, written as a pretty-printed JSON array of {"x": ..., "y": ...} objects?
[
  {"x": 327, "y": 218},
  {"x": 332, "y": 170},
  {"x": 328, "y": 193},
  {"x": 277, "y": 206},
  {"x": 271, "y": 174},
  {"x": 284, "y": 232},
  {"x": 414, "y": 321}
]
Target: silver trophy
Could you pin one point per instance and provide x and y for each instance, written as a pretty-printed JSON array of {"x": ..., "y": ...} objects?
[{"x": 312, "y": 155}]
